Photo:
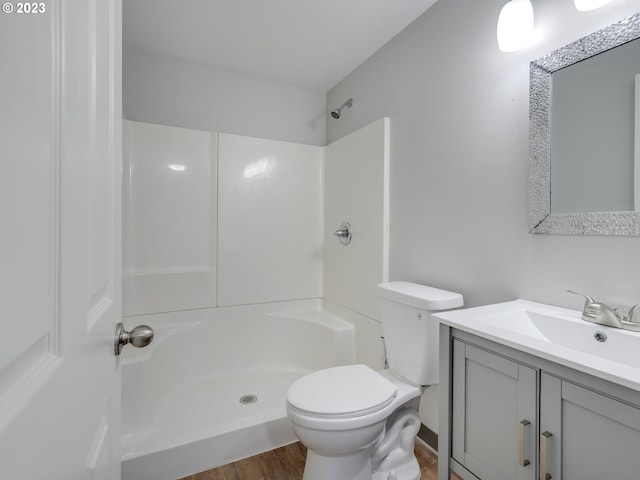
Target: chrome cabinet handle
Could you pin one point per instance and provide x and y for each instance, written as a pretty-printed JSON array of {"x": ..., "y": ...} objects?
[
  {"x": 544, "y": 455},
  {"x": 140, "y": 336},
  {"x": 521, "y": 460}
]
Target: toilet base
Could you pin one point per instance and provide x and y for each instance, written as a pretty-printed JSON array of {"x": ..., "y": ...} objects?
[
  {"x": 406, "y": 472},
  {"x": 349, "y": 467}
]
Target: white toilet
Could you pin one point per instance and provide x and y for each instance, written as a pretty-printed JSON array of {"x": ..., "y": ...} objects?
[{"x": 361, "y": 424}]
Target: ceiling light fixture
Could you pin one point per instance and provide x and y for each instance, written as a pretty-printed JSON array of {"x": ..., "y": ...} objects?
[
  {"x": 515, "y": 25},
  {"x": 586, "y": 5}
]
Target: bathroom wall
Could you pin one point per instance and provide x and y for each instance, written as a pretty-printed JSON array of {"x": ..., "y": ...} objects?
[
  {"x": 169, "y": 218},
  {"x": 459, "y": 150},
  {"x": 270, "y": 220},
  {"x": 356, "y": 176},
  {"x": 213, "y": 219},
  {"x": 158, "y": 89}
]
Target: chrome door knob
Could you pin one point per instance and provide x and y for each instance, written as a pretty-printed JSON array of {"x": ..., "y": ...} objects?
[{"x": 139, "y": 337}]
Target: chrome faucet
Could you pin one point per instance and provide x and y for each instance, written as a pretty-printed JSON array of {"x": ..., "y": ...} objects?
[{"x": 603, "y": 314}]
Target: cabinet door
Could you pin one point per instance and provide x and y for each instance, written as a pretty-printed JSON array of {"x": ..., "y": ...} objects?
[
  {"x": 591, "y": 435},
  {"x": 492, "y": 395}
]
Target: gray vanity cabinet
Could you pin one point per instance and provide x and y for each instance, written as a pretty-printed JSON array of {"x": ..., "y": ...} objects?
[
  {"x": 514, "y": 416},
  {"x": 494, "y": 414}
]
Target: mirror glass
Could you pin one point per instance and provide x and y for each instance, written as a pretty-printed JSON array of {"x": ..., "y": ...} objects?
[
  {"x": 583, "y": 177},
  {"x": 592, "y": 132}
]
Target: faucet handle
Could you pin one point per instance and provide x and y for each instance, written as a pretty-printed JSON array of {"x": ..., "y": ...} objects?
[
  {"x": 591, "y": 309},
  {"x": 588, "y": 300},
  {"x": 631, "y": 317},
  {"x": 589, "y": 303}
]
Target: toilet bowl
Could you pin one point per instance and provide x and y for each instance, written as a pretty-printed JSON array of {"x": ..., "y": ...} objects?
[
  {"x": 358, "y": 423},
  {"x": 342, "y": 414}
]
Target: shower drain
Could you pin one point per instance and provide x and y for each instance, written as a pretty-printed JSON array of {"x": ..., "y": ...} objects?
[{"x": 248, "y": 398}]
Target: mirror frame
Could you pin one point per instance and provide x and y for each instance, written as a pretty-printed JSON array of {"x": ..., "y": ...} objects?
[{"x": 541, "y": 220}]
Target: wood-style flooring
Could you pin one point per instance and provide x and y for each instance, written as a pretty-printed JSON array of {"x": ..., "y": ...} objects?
[{"x": 287, "y": 463}]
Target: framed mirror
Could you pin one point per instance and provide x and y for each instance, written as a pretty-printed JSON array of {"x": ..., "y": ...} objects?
[{"x": 584, "y": 135}]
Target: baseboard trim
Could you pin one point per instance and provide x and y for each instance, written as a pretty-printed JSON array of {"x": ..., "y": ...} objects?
[{"x": 428, "y": 436}]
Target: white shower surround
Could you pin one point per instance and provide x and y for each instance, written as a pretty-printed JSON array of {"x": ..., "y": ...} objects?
[
  {"x": 231, "y": 233},
  {"x": 181, "y": 395},
  {"x": 214, "y": 219}
]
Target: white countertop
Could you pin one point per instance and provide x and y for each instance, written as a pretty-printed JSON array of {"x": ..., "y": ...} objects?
[{"x": 556, "y": 334}]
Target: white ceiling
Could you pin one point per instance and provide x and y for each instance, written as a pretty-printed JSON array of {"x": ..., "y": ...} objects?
[{"x": 310, "y": 43}]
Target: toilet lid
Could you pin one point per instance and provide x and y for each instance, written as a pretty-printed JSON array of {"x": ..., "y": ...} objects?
[{"x": 342, "y": 390}]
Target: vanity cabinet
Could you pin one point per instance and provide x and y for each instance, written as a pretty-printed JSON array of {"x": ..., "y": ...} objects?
[{"x": 508, "y": 415}]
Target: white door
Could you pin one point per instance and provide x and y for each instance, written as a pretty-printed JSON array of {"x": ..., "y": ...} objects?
[{"x": 60, "y": 169}]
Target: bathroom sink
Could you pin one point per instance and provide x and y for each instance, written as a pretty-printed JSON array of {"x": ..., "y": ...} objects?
[{"x": 557, "y": 334}]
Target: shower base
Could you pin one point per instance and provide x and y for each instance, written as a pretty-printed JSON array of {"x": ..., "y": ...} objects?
[
  {"x": 211, "y": 388},
  {"x": 212, "y": 422}
]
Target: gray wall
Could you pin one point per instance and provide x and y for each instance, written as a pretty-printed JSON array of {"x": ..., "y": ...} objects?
[
  {"x": 167, "y": 91},
  {"x": 459, "y": 152}
]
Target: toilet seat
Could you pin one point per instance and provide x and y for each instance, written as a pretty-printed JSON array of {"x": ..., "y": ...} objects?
[
  {"x": 341, "y": 392},
  {"x": 345, "y": 398}
]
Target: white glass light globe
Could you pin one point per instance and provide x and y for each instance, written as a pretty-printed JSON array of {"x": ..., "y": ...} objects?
[
  {"x": 515, "y": 25},
  {"x": 586, "y": 5}
]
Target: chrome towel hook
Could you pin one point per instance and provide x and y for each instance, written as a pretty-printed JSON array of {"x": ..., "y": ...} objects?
[{"x": 344, "y": 233}]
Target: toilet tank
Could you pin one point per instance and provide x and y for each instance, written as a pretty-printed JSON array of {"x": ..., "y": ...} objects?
[{"x": 410, "y": 333}]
